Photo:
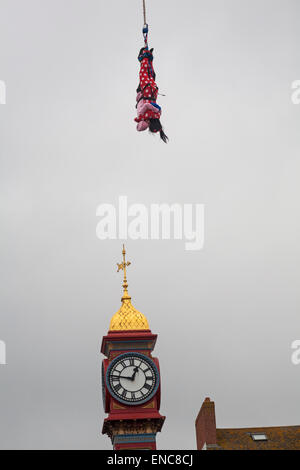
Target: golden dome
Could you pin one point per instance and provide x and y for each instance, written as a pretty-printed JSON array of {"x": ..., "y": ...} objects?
[{"x": 127, "y": 317}]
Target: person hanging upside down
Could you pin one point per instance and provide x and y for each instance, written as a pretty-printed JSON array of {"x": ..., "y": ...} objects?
[{"x": 148, "y": 111}]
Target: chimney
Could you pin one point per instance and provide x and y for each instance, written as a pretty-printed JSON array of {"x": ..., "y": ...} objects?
[{"x": 206, "y": 433}]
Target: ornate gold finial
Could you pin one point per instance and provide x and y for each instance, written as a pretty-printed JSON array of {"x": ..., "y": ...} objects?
[
  {"x": 127, "y": 317},
  {"x": 123, "y": 266}
]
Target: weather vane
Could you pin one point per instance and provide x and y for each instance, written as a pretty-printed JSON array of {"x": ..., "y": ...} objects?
[{"x": 123, "y": 266}]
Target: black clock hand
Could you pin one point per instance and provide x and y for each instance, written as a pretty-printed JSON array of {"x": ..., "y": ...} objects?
[
  {"x": 122, "y": 377},
  {"x": 136, "y": 369}
]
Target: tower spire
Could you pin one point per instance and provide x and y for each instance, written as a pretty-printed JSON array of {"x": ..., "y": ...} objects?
[
  {"x": 127, "y": 317},
  {"x": 122, "y": 266}
]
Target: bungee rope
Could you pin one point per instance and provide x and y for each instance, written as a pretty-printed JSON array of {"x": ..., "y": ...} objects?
[
  {"x": 144, "y": 11},
  {"x": 145, "y": 27}
]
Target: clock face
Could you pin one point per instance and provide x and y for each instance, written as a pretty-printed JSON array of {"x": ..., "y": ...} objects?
[{"x": 132, "y": 378}]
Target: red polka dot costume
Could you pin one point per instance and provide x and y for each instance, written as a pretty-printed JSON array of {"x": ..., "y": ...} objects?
[
  {"x": 148, "y": 111},
  {"x": 147, "y": 92}
]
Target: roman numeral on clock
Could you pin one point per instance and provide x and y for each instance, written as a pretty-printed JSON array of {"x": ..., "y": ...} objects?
[{"x": 147, "y": 386}]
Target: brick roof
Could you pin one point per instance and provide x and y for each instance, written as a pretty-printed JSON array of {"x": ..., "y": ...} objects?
[
  {"x": 210, "y": 438},
  {"x": 278, "y": 438}
]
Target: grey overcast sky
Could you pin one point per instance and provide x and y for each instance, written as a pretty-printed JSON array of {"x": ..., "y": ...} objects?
[{"x": 225, "y": 315}]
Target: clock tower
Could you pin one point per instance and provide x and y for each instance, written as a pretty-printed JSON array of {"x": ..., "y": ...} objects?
[{"x": 131, "y": 381}]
